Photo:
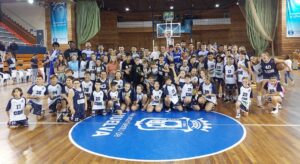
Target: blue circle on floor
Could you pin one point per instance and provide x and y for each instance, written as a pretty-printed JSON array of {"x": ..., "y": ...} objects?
[{"x": 141, "y": 136}]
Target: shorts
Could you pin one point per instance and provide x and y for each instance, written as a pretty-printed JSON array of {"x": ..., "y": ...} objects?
[
  {"x": 76, "y": 117},
  {"x": 219, "y": 80},
  {"x": 52, "y": 107},
  {"x": 243, "y": 107},
  {"x": 230, "y": 86},
  {"x": 18, "y": 123},
  {"x": 36, "y": 108}
]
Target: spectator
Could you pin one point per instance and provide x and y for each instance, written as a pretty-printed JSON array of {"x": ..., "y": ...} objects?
[
  {"x": 112, "y": 67},
  {"x": 13, "y": 48}
]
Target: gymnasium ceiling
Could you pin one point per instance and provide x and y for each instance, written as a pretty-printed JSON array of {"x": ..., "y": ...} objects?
[
  {"x": 164, "y": 5},
  {"x": 149, "y": 5}
]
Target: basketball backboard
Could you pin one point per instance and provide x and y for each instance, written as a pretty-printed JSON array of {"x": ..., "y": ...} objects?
[{"x": 171, "y": 30}]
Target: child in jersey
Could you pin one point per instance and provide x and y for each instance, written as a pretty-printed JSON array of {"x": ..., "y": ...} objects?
[
  {"x": 82, "y": 67},
  {"x": 171, "y": 97},
  {"x": 244, "y": 98},
  {"x": 258, "y": 75},
  {"x": 113, "y": 104},
  {"x": 127, "y": 97},
  {"x": 219, "y": 76},
  {"x": 185, "y": 67},
  {"x": 104, "y": 82},
  {"x": 210, "y": 65},
  {"x": 77, "y": 103},
  {"x": 98, "y": 99},
  {"x": 274, "y": 93},
  {"x": 161, "y": 69},
  {"x": 243, "y": 68},
  {"x": 118, "y": 79},
  {"x": 155, "y": 102},
  {"x": 208, "y": 100},
  {"x": 180, "y": 80},
  {"x": 141, "y": 99},
  {"x": 16, "y": 109},
  {"x": 55, "y": 90},
  {"x": 65, "y": 100},
  {"x": 36, "y": 94},
  {"x": 230, "y": 79},
  {"x": 187, "y": 94},
  {"x": 87, "y": 86},
  {"x": 91, "y": 67}
]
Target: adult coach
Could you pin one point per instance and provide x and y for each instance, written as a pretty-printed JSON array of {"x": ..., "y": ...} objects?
[{"x": 72, "y": 51}]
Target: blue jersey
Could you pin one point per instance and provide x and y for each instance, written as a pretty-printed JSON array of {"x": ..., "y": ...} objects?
[
  {"x": 79, "y": 101},
  {"x": 269, "y": 69},
  {"x": 104, "y": 85},
  {"x": 177, "y": 57}
]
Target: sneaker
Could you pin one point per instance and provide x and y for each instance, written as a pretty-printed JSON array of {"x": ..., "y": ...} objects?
[
  {"x": 238, "y": 115},
  {"x": 274, "y": 111},
  {"x": 168, "y": 110}
]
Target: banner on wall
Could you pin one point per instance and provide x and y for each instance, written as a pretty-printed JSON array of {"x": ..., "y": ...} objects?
[
  {"x": 59, "y": 22},
  {"x": 293, "y": 18}
]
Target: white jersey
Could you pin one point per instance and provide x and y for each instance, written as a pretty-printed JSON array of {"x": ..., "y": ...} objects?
[
  {"x": 16, "y": 108},
  {"x": 186, "y": 69},
  {"x": 219, "y": 71},
  {"x": 230, "y": 77},
  {"x": 39, "y": 91},
  {"x": 187, "y": 91},
  {"x": 258, "y": 72},
  {"x": 139, "y": 97},
  {"x": 82, "y": 68},
  {"x": 91, "y": 68},
  {"x": 157, "y": 95},
  {"x": 274, "y": 88},
  {"x": 87, "y": 52},
  {"x": 209, "y": 89},
  {"x": 245, "y": 96},
  {"x": 171, "y": 91},
  {"x": 120, "y": 84},
  {"x": 114, "y": 96},
  {"x": 241, "y": 72},
  {"x": 98, "y": 99},
  {"x": 87, "y": 88},
  {"x": 55, "y": 92},
  {"x": 211, "y": 66}
]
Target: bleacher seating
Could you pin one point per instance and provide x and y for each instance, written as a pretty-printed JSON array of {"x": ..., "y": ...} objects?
[{"x": 6, "y": 37}]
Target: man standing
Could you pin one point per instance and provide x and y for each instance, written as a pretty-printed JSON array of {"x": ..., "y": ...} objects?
[{"x": 72, "y": 51}]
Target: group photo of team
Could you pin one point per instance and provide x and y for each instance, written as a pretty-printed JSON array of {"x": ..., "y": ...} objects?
[{"x": 77, "y": 83}]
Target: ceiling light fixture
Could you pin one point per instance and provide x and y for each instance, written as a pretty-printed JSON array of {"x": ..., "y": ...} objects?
[
  {"x": 30, "y": 1},
  {"x": 217, "y": 5},
  {"x": 171, "y": 7},
  {"x": 127, "y": 9}
]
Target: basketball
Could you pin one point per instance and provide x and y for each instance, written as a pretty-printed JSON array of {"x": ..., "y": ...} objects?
[{"x": 280, "y": 66}]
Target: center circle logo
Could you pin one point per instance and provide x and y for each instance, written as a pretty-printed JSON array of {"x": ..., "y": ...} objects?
[{"x": 141, "y": 136}]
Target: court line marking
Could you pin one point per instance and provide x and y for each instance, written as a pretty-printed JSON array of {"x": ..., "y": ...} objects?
[
  {"x": 167, "y": 160},
  {"x": 263, "y": 125}
]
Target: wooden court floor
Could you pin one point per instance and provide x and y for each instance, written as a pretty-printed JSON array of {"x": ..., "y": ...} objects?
[{"x": 270, "y": 138}]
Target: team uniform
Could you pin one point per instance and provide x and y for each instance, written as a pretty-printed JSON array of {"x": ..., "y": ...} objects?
[
  {"x": 245, "y": 98},
  {"x": 230, "y": 76},
  {"x": 209, "y": 89},
  {"x": 120, "y": 84},
  {"x": 36, "y": 105},
  {"x": 115, "y": 97},
  {"x": 157, "y": 94},
  {"x": 104, "y": 85},
  {"x": 186, "y": 91},
  {"x": 269, "y": 69},
  {"x": 139, "y": 98},
  {"x": 257, "y": 70},
  {"x": 273, "y": 89},
  {"x": 98, "y": 99},
  {"x": 16, "y": 108},
  {"x": 82, "y": 68},
  {"x": 55, "y": 91},
  {"x": 170, "y": 90},
  {"x": 219, "y": 73},
  {"x": 210, "y": 66},
  {"x": 79, "y": 105},
  {"x": 129, "y": 93},
  {"x": 91, "y": 65},
  {"x": 241, "y": 73}
]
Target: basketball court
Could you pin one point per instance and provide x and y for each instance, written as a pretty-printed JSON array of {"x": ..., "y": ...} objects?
[{"x": 142, "y": 32}]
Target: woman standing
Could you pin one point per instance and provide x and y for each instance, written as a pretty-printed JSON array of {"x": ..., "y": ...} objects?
[{"x": 112, "y": 67}]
